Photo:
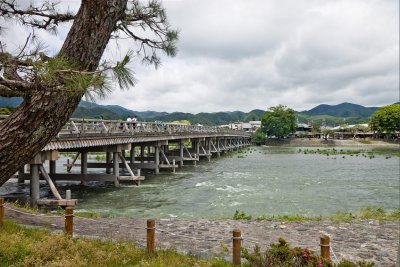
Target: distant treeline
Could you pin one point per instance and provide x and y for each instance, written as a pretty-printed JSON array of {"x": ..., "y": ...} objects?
[{"x": 330, "y": 115}]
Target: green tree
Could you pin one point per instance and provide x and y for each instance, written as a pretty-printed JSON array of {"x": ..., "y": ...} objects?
[
  {"x": 386, "y": 120},
  {"x": 53, "y": 86},
  {"x": 258, "y": 137},
  {"x": 278, "y": 121}
]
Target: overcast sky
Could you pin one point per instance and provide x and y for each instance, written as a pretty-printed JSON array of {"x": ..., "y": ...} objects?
[{"x": 247, "y": 54}]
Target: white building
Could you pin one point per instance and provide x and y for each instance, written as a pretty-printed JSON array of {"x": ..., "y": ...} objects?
[{"x": 250, "y": 126}]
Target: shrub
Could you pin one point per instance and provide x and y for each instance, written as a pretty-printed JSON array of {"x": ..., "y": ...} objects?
[
  {"x": 282, "y": 255},
  {"x": 240, "y": 215}
]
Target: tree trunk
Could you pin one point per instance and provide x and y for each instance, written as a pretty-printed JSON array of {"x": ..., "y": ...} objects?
[{"x": 40, "y": 117}]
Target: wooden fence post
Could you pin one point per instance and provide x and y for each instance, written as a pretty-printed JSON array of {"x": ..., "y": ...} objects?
[
  {"x": 151, "y": 229},
  {"x": 69, "y": 221},
  {"x": 237, "y": 240},
  {"x": 325, "y": 248},
  {"x": 1, "y": 212}
]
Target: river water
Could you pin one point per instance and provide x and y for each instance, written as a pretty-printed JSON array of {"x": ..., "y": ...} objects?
[{"x": 260, "y": 181}]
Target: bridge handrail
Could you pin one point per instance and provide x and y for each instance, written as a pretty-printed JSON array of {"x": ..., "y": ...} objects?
[
  {"x": 87, "y": 127},
  {"x": 111, "y": 127}
]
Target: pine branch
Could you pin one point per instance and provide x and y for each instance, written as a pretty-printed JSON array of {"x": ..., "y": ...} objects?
[
  {"x": 49, "y": 16},
  {"x": 6, "y": 92},
  {"x": 19, "y": 87}
]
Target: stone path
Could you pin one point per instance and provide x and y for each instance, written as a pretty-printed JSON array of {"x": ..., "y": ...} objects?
[{"x": 362, "y": 239}]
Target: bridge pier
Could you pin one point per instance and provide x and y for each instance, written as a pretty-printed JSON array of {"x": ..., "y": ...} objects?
[
  {"x": 84, "y": 157},
  {"x": 132, "y": 155},
  {"x": 218, "y": 149},
  {"x": 108, "y": 161},
  {"x": 142, "y": 153},
  {"x": 181, "y": 145},
  {"x": 34, "y": 185},
  {"x": 52, "y": 166},
  {"x": 157, "y": 158},
  {"x": 21, "y": 173},
  {"x": 116, "y": 168}
]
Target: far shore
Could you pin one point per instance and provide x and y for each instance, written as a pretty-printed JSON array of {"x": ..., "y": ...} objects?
[{"x": 314, "y": 142}]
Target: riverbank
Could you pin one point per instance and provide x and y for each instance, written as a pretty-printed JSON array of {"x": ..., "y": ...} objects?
[
  {"x": 364, "y": 239},
  {"x": 314, "y": 142}
]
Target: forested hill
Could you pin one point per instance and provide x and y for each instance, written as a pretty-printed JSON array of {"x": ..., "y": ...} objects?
[
  {"x": 328, "y": 114},
  {"x": 342, "y": 110}
]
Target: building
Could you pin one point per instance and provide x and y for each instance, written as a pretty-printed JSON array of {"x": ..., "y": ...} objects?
[{"x": 250, "y": 126}]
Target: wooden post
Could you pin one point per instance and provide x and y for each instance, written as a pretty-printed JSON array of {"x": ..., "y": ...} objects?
[
  {"x": 68, "y": 194},
  {"x": 325, "y": 248},
  {"x": 151, "y": 230},
  {"x": 1, "y": 212},
  {"x": 69, "y": 221},
  {"x": 237, "y": 240}
]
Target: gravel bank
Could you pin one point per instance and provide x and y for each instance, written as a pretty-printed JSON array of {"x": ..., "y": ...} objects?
[{"x": 362, "y": 239}]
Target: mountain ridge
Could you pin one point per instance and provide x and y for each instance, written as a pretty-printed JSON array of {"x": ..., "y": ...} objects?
[{"x": 323, "y": 113}]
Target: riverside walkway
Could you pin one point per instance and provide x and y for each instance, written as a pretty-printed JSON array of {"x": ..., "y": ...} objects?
[{"x": 128, "y": 148}]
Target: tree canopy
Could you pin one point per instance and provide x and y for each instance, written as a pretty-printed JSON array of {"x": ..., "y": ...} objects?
[
  {"x": 386, "y": 119},
  {"x": 53, "y": 85},
  {"x": 279, "y": 121},
  {"x": 258, "y": 137}
]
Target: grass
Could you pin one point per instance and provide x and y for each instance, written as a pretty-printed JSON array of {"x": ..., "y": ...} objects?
[
  {"x": 363, "y": 153},
  {"x": 21, "y": 246},
  {"x": 369, "y": 212},
  {"x": 289, "y": 218},
  {"x": 33, "y": 247},
  {"x": 364, "y": 141}
]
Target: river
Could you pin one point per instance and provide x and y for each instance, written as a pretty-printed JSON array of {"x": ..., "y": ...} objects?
[{"x": 260, "y": 181}]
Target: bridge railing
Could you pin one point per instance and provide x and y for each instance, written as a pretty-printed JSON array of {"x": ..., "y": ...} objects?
[
  {"x": 98, "y": 127},
  {"x": 89, "y": 127}
]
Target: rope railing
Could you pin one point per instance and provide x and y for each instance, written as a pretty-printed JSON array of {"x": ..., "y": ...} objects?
[{"x": 237, "y": 240}]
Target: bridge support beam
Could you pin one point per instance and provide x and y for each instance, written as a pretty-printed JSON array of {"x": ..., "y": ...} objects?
[
  {"x": 132, "y": 155},
  {"x": 218, "y": 149},
  {"x": 34, "y": 185},
  {"x": 108, "y": 160},
  {"x": 142, "y": 153},
  {"x": 35, "y": 180},
  {"x": 52, "y": 166},
  {"x": 157, "y": 158},
  {"x": 84, "y": 157},
  {"x": 181, "y": 145},
  {"x": 116, "y": 168},
  {"x": 208, "y": 144},
  {"x": 21, "y": 173},
  {"x": 197, "y": 151}
]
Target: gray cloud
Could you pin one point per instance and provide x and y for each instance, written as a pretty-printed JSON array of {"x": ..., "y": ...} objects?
[{"x": 241, "y": 55}]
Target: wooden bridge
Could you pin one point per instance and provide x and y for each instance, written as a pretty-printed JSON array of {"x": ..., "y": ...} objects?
[{"x": 128, "y": 148}]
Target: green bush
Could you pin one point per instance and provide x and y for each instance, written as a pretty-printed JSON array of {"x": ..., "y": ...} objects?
[
  {"x": 282, "y": 255},
  {"x": 240, "y": 215}
]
